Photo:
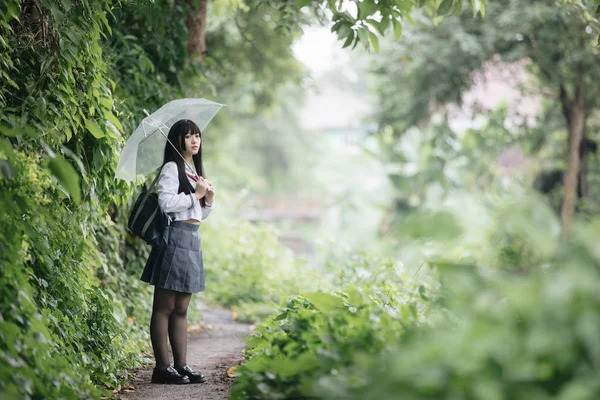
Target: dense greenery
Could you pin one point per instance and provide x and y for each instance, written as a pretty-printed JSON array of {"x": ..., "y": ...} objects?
[
  {"x": 58, "y": 106},
  {"x": 75, "y": 78},
  {"x": 514, "y": 316},
  {"x": 473, "y": 309},
  {"x": 320, "y": 334}
]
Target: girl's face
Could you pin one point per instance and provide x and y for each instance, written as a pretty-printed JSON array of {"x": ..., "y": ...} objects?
[{"x": 192, "y": 144}]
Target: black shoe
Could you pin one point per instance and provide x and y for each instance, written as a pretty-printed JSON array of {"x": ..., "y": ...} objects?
[
  {"x": 195, "y": 376},
  {"x": 170, "y": 375}
]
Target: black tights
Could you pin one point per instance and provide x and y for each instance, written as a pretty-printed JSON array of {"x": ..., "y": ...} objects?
[{"x": 169, "y": 315}]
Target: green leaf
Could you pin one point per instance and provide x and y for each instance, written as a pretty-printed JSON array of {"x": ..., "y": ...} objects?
[
  {"x": 397, "y": 28},
  {"x": 107, "y": 102},
  {"x": 383, "y": 25},
  {"x": 281, "y": 316},
  {"x": 115, "y": 121},
  {"x": 285, "y": 368},
  {"x": 366, "y": 8},
  {"x": 406, "y": 7},
  {"x": 422, "y": 292},
  {"x": 457, "y": 8},
  {"x": 6, "y": 170},
  {"x": 57, "y": 14},
  {"x": 10, "y": 132},
  {"x": 13, "y": 10},
  {"x": 14, "y": 132},
  {"x": 374, "y": 41},
  {"x": 376, "y": 25},
  {"x": 324, "y": 302},
  {"x": 112, "y": 130},
  {"x": 445, "y": 6},
  {"x": 348, "y": 41},
  {"x": 477, "y": 6},
  {"x": 302, "y": 3},
  {"x": 355, "y": 297},
  {"x": 363, "y": 35},
  {"x": 103, "y": 18},
  {"x": 67, "y": 4},
  {"x": 344, "y": 30},
  {"x": 6, "y": 150},
  {"x": 66, "y": 175},
  {"x": 336, "y": 26},
  {"x": 93, "y": 128}
]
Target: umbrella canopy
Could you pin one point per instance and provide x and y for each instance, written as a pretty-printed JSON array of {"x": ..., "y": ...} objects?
[{"x": 143, "y": 153}]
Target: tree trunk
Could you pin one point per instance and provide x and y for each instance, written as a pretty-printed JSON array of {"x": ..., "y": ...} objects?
[
  {"x": 576, "y": 119},
  {"x": 196, "y": 25},
  {"x": 583, "y": 189}
]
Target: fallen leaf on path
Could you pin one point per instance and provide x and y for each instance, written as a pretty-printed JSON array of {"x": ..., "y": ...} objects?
[
  {"x": 195, "y": 327},
  {"x": 231, "y": 372}
]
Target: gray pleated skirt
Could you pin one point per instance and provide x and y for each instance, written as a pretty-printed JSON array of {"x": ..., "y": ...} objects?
[{"x": 177, "y": 263}]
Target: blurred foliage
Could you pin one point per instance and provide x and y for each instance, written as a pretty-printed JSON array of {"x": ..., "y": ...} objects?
[
  {"x": 414, "y": 99},
  {"x": 497, "y": 326},
  {"x": 529, "y": 335},
  {"x": 273, "y": 154},
  {"x": 248, "y": 269}
]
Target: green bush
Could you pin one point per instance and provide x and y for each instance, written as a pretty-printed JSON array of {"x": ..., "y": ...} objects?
[
  {"x": 321, "y": 334},
  {"x": 64, "y": 330},
  {"x": 247, "y": 268},
  {"x": 523, "y": 327},
  {"x": 509, "y": 336}
]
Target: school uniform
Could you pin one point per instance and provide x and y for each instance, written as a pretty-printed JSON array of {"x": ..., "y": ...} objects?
[{"x": 177, "y": 264}]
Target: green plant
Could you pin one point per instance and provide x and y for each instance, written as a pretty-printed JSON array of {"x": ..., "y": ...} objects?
[
  {"x": 321, "y": 334},
  {"x": 498, "y": 335},
  {"x": 247, "y": 268}
]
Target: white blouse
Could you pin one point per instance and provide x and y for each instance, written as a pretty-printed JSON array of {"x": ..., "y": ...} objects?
[{"x": 179, "y": 206}]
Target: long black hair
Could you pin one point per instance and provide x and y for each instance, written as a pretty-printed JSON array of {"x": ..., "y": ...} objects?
[{"x": 177, "y": 138}]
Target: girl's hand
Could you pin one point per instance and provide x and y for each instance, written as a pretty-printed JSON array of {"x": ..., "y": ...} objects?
[
  {"x": 209, "y": 184},
  {"x": 201, "y": 189},
  {"x": 210, "y": 194}
]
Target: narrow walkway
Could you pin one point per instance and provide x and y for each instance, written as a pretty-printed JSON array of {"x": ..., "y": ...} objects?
[{"x": 212, "y": 350}]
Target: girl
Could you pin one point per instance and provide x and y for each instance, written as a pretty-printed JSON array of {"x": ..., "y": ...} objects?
[{"x": 175, "y": 268}]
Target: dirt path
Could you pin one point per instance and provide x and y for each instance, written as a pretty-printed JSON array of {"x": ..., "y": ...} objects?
[{"x": 212, "y": 350}]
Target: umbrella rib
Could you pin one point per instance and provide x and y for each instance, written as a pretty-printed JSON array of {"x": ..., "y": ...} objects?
[{"x": 157, "y": 121}]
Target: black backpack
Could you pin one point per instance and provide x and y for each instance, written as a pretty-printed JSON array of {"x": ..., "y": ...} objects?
[{"x": 147, "y": 220}]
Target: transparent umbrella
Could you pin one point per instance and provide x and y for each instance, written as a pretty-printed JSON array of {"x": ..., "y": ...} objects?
[{"x": 144, "y": 150}]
